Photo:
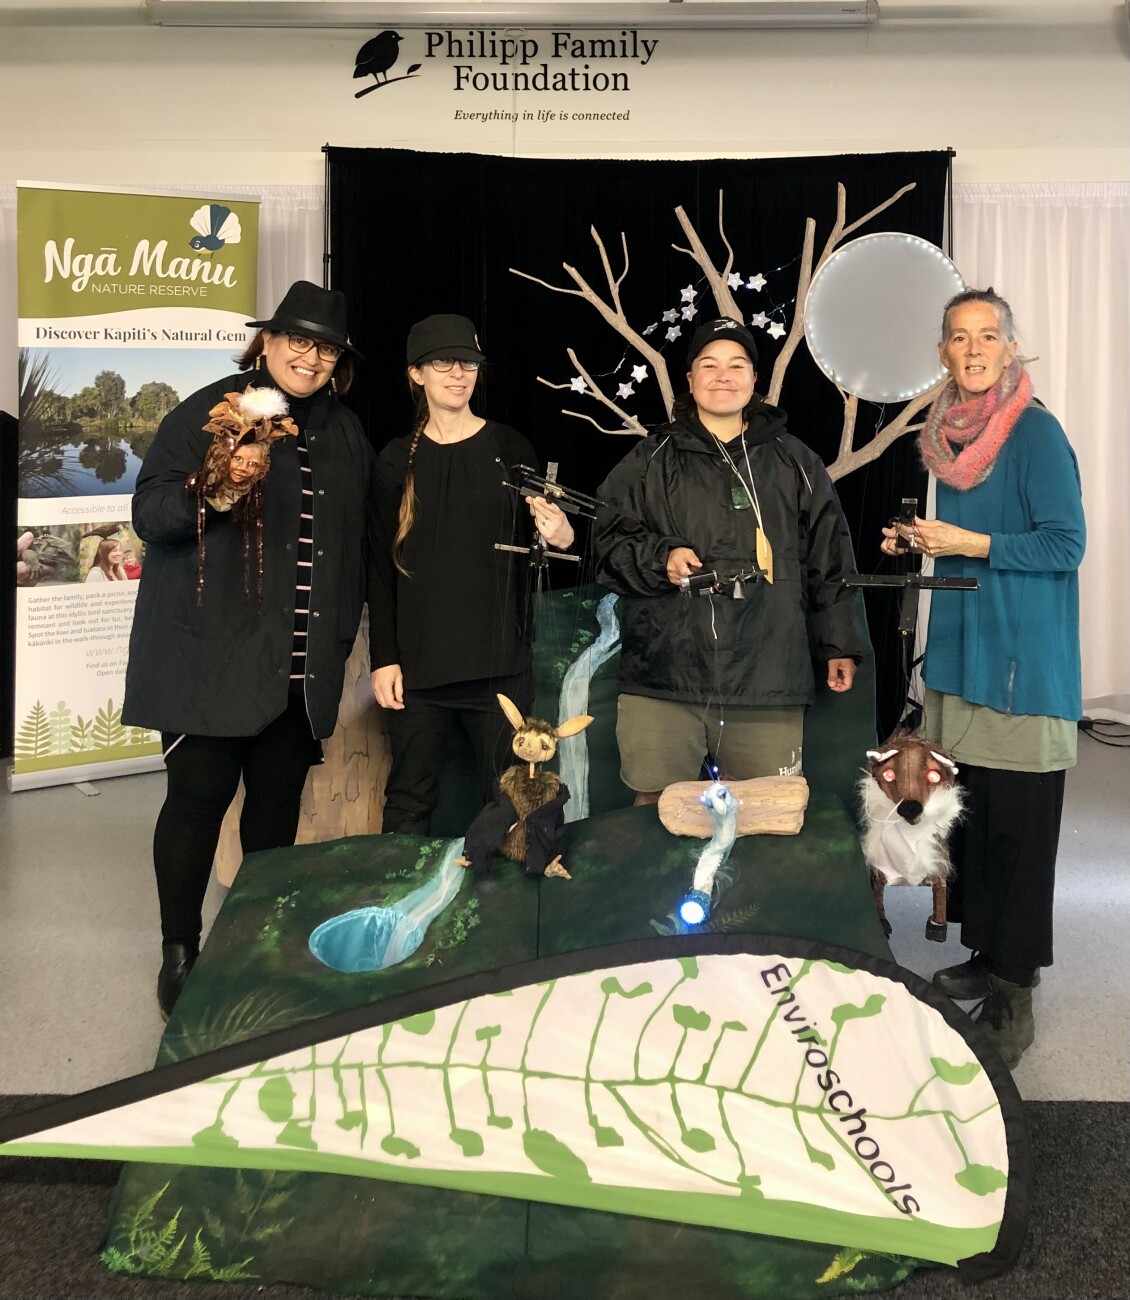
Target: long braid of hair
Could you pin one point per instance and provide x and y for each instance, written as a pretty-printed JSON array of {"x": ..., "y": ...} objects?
[{"x": 407, "y": 513}]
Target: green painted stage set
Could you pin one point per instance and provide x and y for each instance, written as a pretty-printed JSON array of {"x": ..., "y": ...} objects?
[{"x": 388, "y": 1077}]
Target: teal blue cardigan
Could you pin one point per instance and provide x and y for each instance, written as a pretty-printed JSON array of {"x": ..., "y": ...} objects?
[{"x": 1014, "y": 643}]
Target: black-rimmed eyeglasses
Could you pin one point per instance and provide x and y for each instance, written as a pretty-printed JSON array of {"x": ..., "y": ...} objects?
[
  {"x": 444, "y": 364},
  {"x": 301, "y": 343}
]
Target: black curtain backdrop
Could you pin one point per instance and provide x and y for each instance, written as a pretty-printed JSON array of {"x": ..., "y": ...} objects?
[{"x": 416, "y": 233}]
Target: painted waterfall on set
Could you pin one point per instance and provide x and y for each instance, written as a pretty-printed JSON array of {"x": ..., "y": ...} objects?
[{"x": 573, "y": 751}]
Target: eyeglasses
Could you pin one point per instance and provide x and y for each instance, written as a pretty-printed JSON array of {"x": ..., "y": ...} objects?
[
  {"x": 444, "y": 364},
  {"x": 300, "y": 343}
]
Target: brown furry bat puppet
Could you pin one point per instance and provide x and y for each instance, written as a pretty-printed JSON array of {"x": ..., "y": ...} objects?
[
  {"x": 525, "y": 821},
  {"x": 910, "y": 804}
]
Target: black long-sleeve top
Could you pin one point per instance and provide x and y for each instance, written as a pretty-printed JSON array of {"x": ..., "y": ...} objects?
[{"x": 459, "y": 616}]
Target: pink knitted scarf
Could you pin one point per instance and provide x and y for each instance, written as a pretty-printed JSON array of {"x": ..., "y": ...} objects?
[{"x": 961, "y": 440}]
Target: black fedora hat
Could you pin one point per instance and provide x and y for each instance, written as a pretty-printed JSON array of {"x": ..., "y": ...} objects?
[{"x": 309, "y": 309}]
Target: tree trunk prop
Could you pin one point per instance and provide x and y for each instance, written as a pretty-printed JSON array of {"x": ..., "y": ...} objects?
[{"x": 344, "y": 795}]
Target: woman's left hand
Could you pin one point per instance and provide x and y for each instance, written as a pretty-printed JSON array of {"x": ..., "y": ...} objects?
[
  {"x": 935, "y": 537},
  {"x": 552, "y": 522}
]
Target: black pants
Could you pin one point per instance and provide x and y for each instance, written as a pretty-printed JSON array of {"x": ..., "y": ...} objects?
[
  {"x": 203, "y": 777},
  {"x": 1004, "y": 852},
  {"x": 419, "y": 735}
]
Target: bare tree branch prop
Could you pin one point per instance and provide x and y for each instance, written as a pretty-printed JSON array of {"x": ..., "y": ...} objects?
[
  {"x": 719, "y": 284},
  {"x": 631, "y": 424},
  {"x": 635, "y": 430},
  {"x": 839, "y": 230},
  {"x": 848, "y": 457},
  {"x": 796, "y": 332},
  {"x": 849, "y": 460},
  {"x": 613, "y": 311}
]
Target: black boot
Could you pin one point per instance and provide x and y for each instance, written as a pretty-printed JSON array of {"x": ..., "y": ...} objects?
[
  {"x": 970, "y": 980},
  {"x": 1006, "y": 1016},
  {"x": 965, "y": 982},
  {"x": 179, "y": 959}
]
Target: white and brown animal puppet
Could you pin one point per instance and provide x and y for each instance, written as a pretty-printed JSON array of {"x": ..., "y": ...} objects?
[
  {"x": 910, "y": 804},
  {"x": 525, "y": 821}
]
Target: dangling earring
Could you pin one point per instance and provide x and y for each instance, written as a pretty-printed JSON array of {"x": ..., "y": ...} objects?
[
  {"x": 259, "y": 361},
  {"x": 333, "y": 384}
]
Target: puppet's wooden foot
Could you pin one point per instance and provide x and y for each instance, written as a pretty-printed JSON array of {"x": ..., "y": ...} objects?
[
  {"x": 555, "y": 868},
  {"x": 464, "y": 862}
]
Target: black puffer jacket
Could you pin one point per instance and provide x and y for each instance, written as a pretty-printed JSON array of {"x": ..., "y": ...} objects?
[
  {"x": 222, "y": 668},
  {"x": 676, "y": 489}
]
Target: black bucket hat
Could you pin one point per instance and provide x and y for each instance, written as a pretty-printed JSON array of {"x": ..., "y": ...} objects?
[
  {"x": 443, "y": 336},
  {"x": 309, "y": 309},
  {"x": 723, "y": 328}
]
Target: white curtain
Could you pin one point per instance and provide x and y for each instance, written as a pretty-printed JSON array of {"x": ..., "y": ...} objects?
[
  {"x": 1060, "y": 253},
  {"x": 291, "y": 220}
]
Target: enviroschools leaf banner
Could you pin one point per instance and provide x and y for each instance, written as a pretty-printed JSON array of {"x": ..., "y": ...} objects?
[
  {"x": 766, "y": 1092},
  {"x": 127, "y": 304}
]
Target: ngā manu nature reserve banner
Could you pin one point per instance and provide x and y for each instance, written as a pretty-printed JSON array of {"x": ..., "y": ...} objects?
[{"x": 127, "y": 303}]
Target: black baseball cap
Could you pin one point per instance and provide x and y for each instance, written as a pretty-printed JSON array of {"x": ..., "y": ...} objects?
[{"x": 723, "y": 328}]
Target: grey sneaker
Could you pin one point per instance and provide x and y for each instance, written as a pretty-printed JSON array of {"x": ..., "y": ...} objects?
[{"x": 1006, "y": 1016}]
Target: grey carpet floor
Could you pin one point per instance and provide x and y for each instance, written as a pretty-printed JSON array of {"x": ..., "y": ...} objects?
[{"x": 53, "y": 1212}]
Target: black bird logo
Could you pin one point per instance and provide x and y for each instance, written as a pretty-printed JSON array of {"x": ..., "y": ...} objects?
[{"x": 376, "y": 57}]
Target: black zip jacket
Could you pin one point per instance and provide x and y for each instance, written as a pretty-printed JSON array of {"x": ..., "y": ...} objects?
[
  {"x": 222, "y": 668},
  {"x": 675, "y": 488}
]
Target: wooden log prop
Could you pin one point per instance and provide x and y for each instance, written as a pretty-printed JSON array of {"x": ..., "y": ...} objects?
[
  {"x": 770, "y": 805},
  {"x": 344, "y": 795}
]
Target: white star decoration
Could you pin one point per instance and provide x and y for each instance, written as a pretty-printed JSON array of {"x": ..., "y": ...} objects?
[
  {"x": 755, "y": 282},
  {"x": 639, "y": 373},
  {"x": 734, "y": 280},
  {"x": 671, "y": 315},
  {"x": 577, "y": 385},
  {"x": 689, "y": 312},
  {"x": 625, "y": 390},
  {"x": 673, "y": 333},
  {"x": 688, "y": 293},
  {"x": 776, "y": 330},
  {"x": 651, "y": 328},
  {"x": 760, "y": 320}
]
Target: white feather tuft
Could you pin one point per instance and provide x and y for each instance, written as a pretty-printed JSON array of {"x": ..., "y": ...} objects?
[{"x": 262, "y": 404}]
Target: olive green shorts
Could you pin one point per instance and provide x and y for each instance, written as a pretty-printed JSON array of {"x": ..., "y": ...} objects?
[{"x": 663, "y": 741}]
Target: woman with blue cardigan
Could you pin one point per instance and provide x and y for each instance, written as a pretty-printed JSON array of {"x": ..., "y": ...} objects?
[{"x": 1002, "y": 674}]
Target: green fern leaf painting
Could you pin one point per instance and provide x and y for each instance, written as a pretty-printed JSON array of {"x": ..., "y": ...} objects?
[{"x": 736, "y": 1090}]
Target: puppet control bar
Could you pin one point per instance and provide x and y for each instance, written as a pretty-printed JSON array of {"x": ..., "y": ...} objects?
[{"x": 532, "y": 484}]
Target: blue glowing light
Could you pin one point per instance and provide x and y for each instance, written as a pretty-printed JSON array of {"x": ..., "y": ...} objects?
[{"x": 694, "y": 908}]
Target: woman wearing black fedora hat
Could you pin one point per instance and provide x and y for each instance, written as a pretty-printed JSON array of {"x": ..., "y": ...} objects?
[
  {"x": 451, "y": 631},
  {"x": 255, "y": 502}
]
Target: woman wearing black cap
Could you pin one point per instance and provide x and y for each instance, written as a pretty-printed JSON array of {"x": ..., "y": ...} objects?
[
  {"x": 724, "y": 488},
  {"x": 254, "y": 502},
  {"x": 451, "y": 633}
]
